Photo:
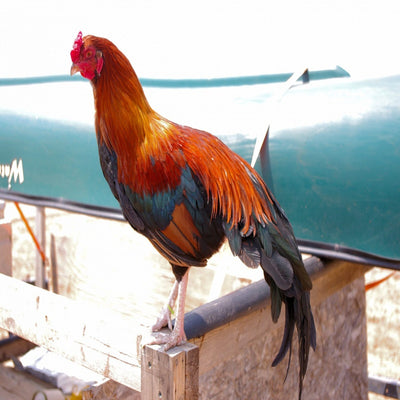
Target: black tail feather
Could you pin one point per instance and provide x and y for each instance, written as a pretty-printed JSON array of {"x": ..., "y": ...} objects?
[
  {"x": 297, "y": 313},
  {"x": 272, "y": 245},
  {"x": 288, "y": 332},
  {"x": 289, "y": 284}
]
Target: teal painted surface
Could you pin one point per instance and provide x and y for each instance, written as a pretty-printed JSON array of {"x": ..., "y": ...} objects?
[
  {"x": 59, "y": 160},
  {"x": 334, "y": 163},
  {"x": 338, "y": 72}
]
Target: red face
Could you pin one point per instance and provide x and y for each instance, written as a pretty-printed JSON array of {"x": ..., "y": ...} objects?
[{"x": 86, "y": 60}]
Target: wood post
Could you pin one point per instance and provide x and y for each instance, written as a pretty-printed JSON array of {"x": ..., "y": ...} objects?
[
  {"x": 40, "y": 228},
  {"x": 5, "y": 243},
  {"x": 172, "y": 375},
  {"x": 76, "y": 331}
]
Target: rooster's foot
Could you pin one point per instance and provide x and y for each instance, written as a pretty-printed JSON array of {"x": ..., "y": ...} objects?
[
  {"x": 163, "y": 320},
  {"x": 169, "y": 340}
]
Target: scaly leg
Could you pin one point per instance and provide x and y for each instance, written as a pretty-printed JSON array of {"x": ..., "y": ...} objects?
[
  {"x": 165, "y": 317},
  {"x": 177, "y": 336}
]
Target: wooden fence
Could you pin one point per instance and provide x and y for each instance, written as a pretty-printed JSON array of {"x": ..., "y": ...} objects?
[{"x": 228, "y": 358}]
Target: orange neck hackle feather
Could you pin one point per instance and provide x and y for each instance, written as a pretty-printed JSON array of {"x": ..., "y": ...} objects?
[{"x": 152, "y": 151}]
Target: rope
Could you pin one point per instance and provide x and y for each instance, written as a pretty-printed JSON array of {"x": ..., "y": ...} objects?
[
  {"x": 30, "y": 231},
  {"x": 373, "y": 284}
]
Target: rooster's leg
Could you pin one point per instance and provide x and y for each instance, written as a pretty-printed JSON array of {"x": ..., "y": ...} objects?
[
  {"x": 165, "y": 317},
  {"x": 177, "y": 336}
]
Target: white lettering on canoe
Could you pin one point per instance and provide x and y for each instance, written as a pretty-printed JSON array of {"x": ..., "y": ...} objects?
[{"x": 13, "y": 171}]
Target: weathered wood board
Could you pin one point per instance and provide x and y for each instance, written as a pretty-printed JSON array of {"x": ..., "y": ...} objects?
[
  {"x": 15, "y": 385},
  {"x": 74, "y": 330},
  {"x": 5, "y": 244},
  {"x": 235, "y": 360},
  {"x": 14, "y": 348},
  {"x": 238, "y": 353},
  {"x": 173, "y": 375}
]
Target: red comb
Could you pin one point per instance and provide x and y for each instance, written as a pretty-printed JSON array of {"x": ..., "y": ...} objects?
[{"x": 76, "y": 50}]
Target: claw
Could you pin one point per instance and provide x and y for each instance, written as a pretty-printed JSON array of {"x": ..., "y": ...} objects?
[{"x": 169, "y": 340}]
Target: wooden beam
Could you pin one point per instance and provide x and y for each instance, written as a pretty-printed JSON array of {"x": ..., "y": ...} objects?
[
  {"x": 14, "y": 347},
  {"x": 335, "y": 275},
  {"x": 235, "y": 359},
  {"x": 18, "y": 385},
  {"x": 40, "y": 231},
  {"x": 110, "y": 344},
  {"x": 5, "y": 243},
  {"x": 172, "y": 375},
  {"x": 110, "y": 390},
  {"x": 216, "y": 348},
  {"x": 105, "y": 342}
]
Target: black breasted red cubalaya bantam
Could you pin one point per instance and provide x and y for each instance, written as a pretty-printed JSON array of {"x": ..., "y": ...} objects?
[{"x": 186, "y": 192}]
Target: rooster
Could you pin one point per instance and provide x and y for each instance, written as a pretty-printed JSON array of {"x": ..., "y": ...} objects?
[{"x": 186, "y": 192}]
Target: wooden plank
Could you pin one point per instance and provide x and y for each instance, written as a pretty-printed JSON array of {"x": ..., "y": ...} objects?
[
  {"x": 384, "y": 386},
  {"x": 192, "y": 372},
  {"x": 222, "y": 344},
  {"x": 235, "y": 360},
  {"x": 16, "y": 385},
  {"x": 105, "y": 342},
  {"x": 110, "y": 390},
  {"x": 53, "y": 266},
  {"x": 5, "y": 245},
  {"x": 40, "y": 231},
  {"x": 214, "y": 346},
  {"x": 162, "y": 375},
  {"x": 14, "y": 347},
  {"x": 89, "y": 336},
  {"x": 2, "y": 207},
  {"x": 335, "y": 275},
  {"x": 171, "y": 375}
]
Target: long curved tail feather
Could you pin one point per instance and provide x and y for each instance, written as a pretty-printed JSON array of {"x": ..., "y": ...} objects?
[{"x": 297, "y": 313}]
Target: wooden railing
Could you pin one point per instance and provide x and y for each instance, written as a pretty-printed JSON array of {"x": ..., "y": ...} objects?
[{"x": 229, "y": 358}]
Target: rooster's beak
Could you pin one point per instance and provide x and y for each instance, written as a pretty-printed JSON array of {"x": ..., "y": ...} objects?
[{"x": 74, "y": 69}]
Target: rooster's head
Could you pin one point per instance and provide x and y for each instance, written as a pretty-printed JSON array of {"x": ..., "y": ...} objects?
[{"x": 86, "y": 59}]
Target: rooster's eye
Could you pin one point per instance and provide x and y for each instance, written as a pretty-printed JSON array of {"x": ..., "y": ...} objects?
[{"x": 89, "y": 54}]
